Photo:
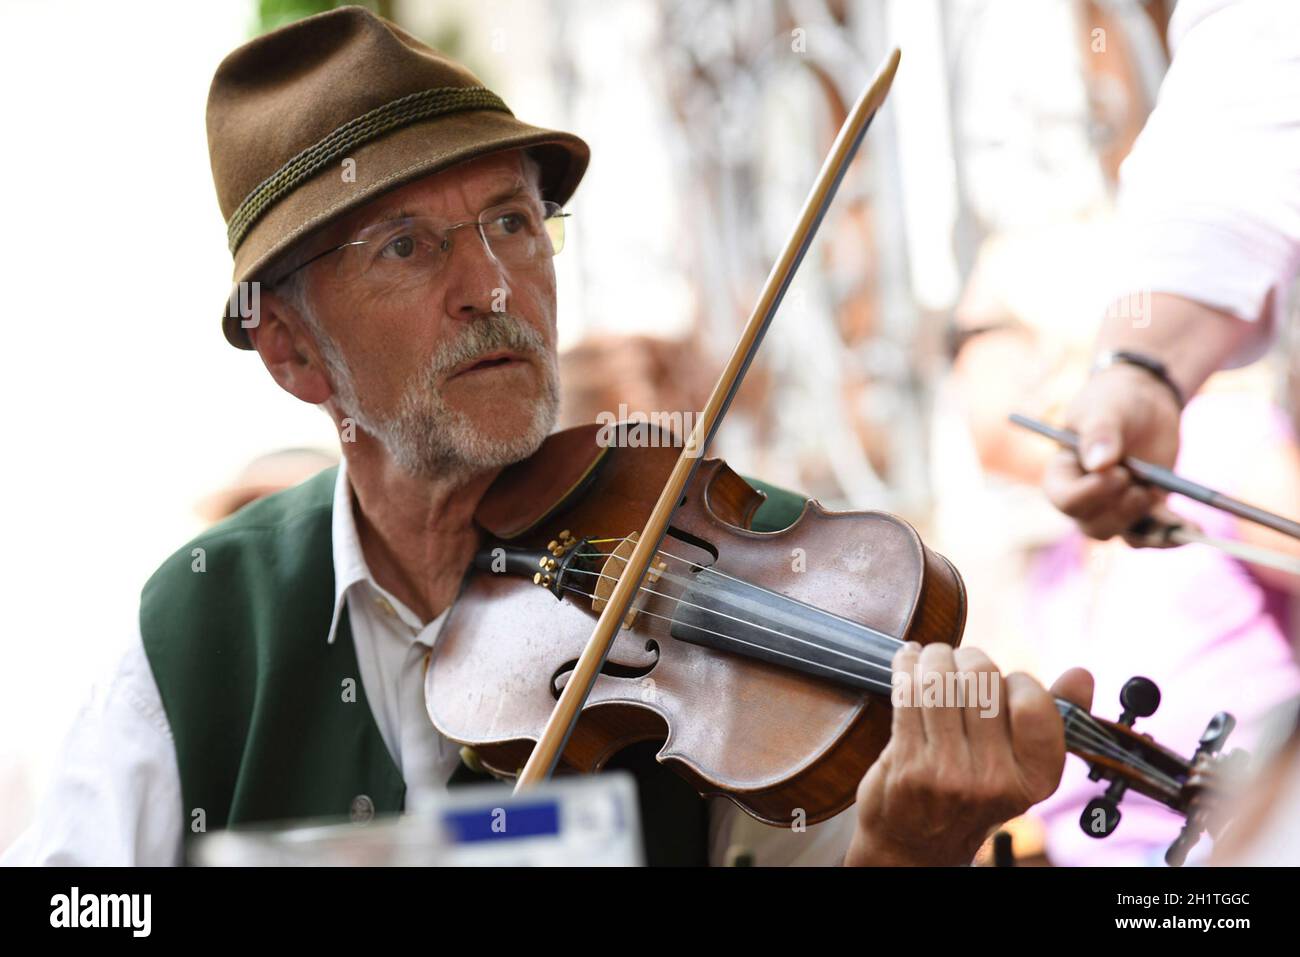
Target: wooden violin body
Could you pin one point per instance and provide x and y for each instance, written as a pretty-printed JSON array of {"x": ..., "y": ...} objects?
[{"x": 709, "y": 662}]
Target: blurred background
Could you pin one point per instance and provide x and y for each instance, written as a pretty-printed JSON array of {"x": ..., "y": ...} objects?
[{"x": 959, "y": 276}]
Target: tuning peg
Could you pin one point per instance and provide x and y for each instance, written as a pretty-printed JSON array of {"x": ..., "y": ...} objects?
[
  {"x": 1100, "y": 817},
  {"x": 1140, "y": 698},
  {"x": 1216, "y": 734},
  {"x": 1187, "y": 838}
]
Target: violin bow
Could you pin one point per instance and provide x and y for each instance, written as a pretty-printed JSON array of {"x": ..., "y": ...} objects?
[
  {"x": 546, "y": 754},
  {"x": 1170, "y": 481}
]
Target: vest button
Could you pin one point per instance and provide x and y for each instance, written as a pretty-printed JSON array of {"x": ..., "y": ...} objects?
[{"x": 362, "y": 810}]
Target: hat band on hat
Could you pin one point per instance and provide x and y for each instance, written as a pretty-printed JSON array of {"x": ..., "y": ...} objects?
[{"x": 355, "y": 132}]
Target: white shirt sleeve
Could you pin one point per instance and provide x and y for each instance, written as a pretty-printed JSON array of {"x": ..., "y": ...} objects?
[
  {"x": 731, "y": 830},
  {"x": 1210, "y": 194},
  {"x": 115, "y": 799}
]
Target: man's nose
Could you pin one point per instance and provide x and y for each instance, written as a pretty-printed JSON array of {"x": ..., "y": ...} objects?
[{"x": 476, "y": 279}]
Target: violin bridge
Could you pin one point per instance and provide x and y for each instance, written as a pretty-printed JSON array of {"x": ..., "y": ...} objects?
[{"x": 612, "y": 571}]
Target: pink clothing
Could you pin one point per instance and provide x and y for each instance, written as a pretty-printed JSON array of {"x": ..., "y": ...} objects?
[{"x": 1192, "y": 619}]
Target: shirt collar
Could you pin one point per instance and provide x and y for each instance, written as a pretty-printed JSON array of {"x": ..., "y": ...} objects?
[{"x": 350, "y": 568}]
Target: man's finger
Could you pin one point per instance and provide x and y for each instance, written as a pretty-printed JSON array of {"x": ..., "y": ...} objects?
[
  {"x": 907, "y": 728},
  {"x": 1037, "y": 735},
  {"x": 983, "y": 715},
  {"x": 1075, "y": 686},
  {"x": 943, "y": 724},
  {"x": 1120, "y": 515},
  {"x": 1079, "y": 494},
  {"x": 1100, "y": 439}
]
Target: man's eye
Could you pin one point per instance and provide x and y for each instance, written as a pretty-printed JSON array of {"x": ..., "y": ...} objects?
[
  {"x": 512, "y": 222},
  {"x": 401, "y": 247}
]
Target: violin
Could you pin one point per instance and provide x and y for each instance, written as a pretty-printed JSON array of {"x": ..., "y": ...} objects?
[
  {"x": 623, "y": 595},
  {"x": 756, "y": 675},
  {"x": 761, "y": 660}
]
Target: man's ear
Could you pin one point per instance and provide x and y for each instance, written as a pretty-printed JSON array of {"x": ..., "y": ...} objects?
[{"x": 288, "y": 352}]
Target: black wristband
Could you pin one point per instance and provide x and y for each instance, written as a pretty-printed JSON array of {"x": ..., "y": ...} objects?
[{"x": 1145, "y": 362}]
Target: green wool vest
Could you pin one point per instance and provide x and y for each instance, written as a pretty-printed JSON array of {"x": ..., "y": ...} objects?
[{"x": 235, "y": 626}]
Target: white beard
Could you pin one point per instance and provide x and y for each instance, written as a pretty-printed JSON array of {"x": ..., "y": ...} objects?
[{"x": 430, "y": 440}]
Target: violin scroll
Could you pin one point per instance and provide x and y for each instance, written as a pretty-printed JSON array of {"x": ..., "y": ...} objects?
[
  {"x": 1208, "y": 768},
  {"x": 1131, "y": 761}
]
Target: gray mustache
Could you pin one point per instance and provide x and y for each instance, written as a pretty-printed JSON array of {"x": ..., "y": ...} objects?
[{"x": 488, "y": 334}]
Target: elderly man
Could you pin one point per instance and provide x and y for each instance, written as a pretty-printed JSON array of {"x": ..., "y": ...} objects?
[{"x": 400, "y": 224}]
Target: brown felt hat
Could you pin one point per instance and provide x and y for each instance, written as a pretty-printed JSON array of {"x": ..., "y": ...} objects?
[{"x": 287, "y": 109}]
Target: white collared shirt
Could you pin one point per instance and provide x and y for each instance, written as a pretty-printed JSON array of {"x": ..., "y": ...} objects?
[{"x": 116, "y": 795}]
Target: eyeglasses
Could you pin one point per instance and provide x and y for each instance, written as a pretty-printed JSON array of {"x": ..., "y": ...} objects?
[{"x": 399, "y": 253}]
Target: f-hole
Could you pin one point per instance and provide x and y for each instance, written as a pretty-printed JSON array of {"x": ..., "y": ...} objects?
[
  {"x": 612, "y": 668},
  {"x": 696, "y": 542}
]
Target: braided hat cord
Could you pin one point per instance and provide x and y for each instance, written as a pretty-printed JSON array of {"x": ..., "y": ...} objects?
[{"x": 356, "y": 132}]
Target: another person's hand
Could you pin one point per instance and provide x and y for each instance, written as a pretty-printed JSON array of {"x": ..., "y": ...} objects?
[
  {"x": 1122, "y": 411},
  {"x": 949, "y": 775}
]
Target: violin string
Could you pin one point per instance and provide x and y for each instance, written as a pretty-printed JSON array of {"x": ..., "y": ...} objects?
[
  {"x": 1105, "y": 748},
  {"x": 731, "y": 638},
  {"x": 759, "y": 612},
  {"x": 693, "y": 564},
  {"x": 715, "y": 571},
  {"x": 744, "y": 621},
  {"x": 1100, "y": 733},
  {"x": 1087, "y": 734},
  {"x": 1093, "y": 740},
  {"x": 1083, "y": 729},
  {"x": 1091, "y": 736}
]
